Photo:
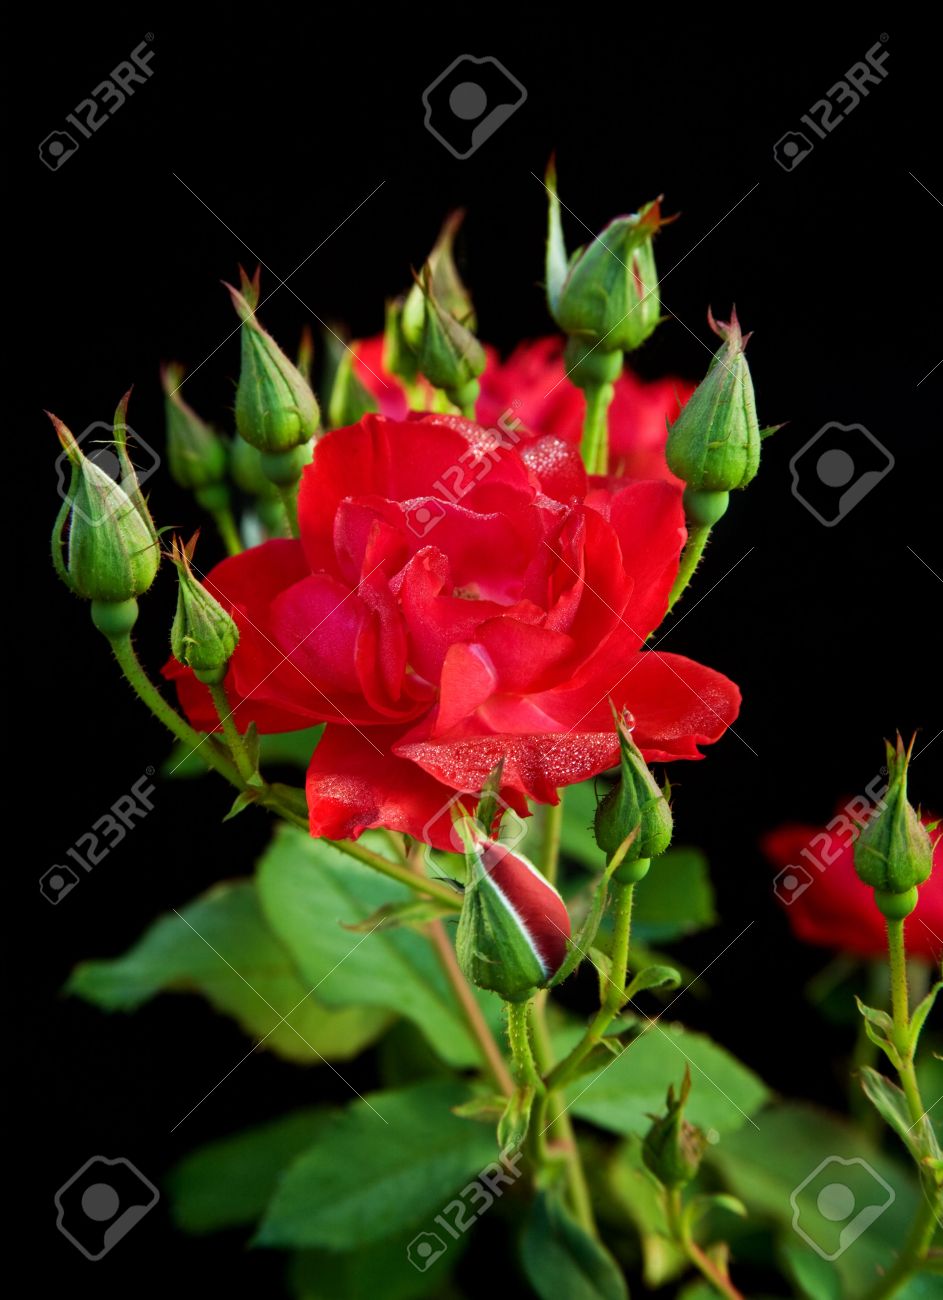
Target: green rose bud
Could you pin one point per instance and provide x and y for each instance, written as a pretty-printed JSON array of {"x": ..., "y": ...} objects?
[
  {"x": 513, "y": 928},
  {"x": 195, "y": 452},
  {"x": 276, "y": 410},
  {"x": 110, "y": 554},
  {"x": 894, "y": 853},
  {"x": 606, "y": 294},
  {"x": 203, "y": 636},
  {"x": 447, "y": 353},
  {"x": 714, "y": 444},
  {"x": 672, "y": 1149},
  {"x": 349, "y": 400},
  {"x": 398, "y": 357},
  {"x": 635, "y": 803}
]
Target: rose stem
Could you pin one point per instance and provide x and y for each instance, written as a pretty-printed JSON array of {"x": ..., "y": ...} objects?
[
  {"x": 614, "y": 997},
  {"x": 226, "y": 527},
  {"x": 701, "y": 1261},
  {"x": 690, "y": 558},
  {"x": 925, "y": 1221},
  {"x": 595, "y": 444},
  {"x": 561, "y": 1126},
  {"x": 148, "y": 693}
]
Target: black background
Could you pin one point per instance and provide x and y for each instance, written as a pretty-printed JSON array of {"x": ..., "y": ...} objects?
[{"x": 281, "y": 127}]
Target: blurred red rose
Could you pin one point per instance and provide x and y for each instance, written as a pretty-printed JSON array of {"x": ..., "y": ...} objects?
[
  {"x": 449, "y": 604},
  {"x": 531, "y": 386},
  {"x": 832, "y": 907}
]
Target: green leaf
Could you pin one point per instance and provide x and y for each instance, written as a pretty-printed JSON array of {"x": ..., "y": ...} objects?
[
  {"x": 242, "y": 801},
  {"x": 219, "y": 946},
  {"x": 814, "y": 1276},
  {"x": 780, "y": 1169},
  {"x": 632, "y": 1087},
  {"x": 310, "y": 891},
  {"x": 891, "y": 1104},
  {"x": 880, "y": 1019},
  {"x": 920, "y": 1014},
  {"x": 383, "y": 1270},
  {"x": 229, "y": 1183},
  {"x": 675, "y": 898},
  {"x": 653, "y": 977},
  {"x": 369, "y": 1177},
  {"x": 288, "y": 749},
  {"x": 561, "y": 1259}
]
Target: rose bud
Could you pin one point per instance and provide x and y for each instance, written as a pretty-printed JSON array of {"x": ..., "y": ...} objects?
[
  {"x": 195, "y": 452},
  {"x": 112, "y": 553},
  {"x": 894, "y": 852},
  {"x": 203, "y": 636},
  {"x": 607, "y": 294},
  {"x": 349, "y": 401},
  {"x": 672, "y": 1148},
  {"x": 398, "y": 357},
  {"x": 635, "y": 803},
  {"x": 276, "y": 410},
  {"x": 714, "y": 444},
  {"x": 447, "y": 353},
  {"x": 513, "y": 928}
]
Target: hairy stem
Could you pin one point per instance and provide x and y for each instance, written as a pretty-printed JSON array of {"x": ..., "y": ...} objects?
[
  {"x": 681, "y": 1234},
  {"x": 560, "y": 1127},
  {"x": 226, "y": 527},
  {"x": 553, "y": 825},
  {"x": 614, "y": 997},
  {"x": 595, "y": 444},
  {"x": 690, "y": 558}
]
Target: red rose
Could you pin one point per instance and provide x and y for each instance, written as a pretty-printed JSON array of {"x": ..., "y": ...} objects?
[
  {"x": 450, "y": 604},
  {"x": 533, "y": 387},
  {"x": 834, "y": 908}
]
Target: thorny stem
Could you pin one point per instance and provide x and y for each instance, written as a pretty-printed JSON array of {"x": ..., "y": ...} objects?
[
  {"x": 560, "y": 1127},
  {"x": 690, "y": 558},
  {"x": 289, "y": 499},
  {"x": 234, "y": 739},
  {"x": 614, "y": 997},
  {"x": 924, "y": 1225},
  {"x": 149, "y": 695},
  {"x": 681, "y": 1233}
]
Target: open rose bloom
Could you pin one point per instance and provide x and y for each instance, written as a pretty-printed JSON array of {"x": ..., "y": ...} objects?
[{"x": 459, "y": 597}]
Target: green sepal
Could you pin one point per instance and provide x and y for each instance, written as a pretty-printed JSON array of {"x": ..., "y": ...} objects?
[
  {"x": 243, "y": 800},
  {"x": 515, "y": 1121},
  {"x": 556, "y": 259},
  {"x": 653, "y": 977},
  {"x": 919, "y": 1017},
  {"x": 891, "y": 1104}
]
